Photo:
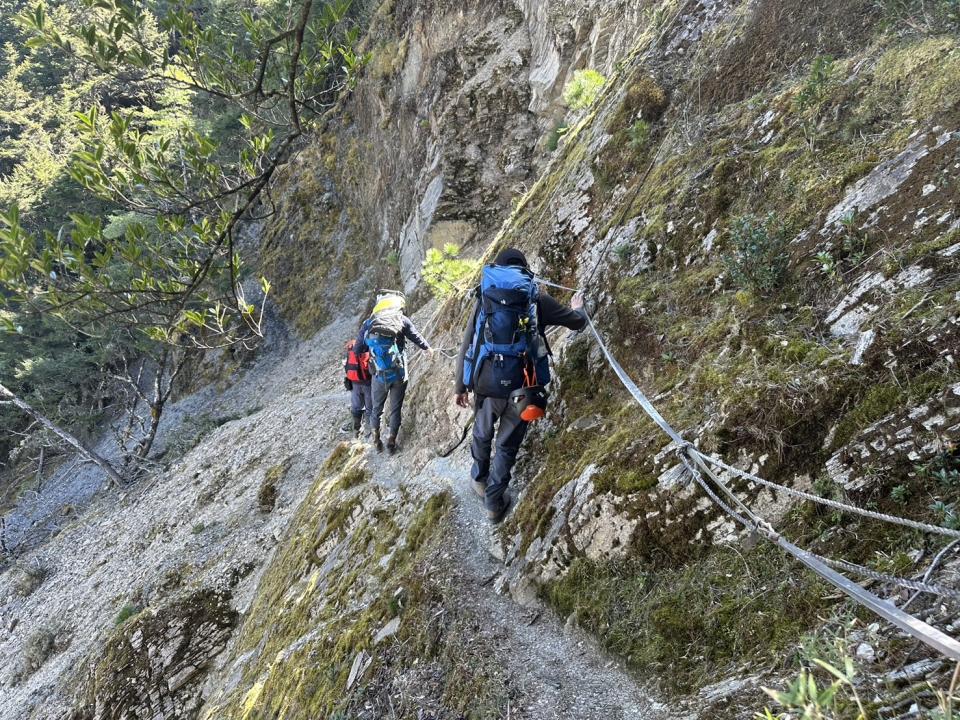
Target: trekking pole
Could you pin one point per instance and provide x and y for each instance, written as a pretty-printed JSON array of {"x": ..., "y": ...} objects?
[{"x": 463, "y": 436}]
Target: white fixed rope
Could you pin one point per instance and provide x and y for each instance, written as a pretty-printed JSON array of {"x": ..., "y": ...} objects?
[{"x": 691, "y": 458}]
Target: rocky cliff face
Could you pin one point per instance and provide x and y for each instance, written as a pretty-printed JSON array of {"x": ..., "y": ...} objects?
[
  {"x": 434, "y": 146},
  {"x": 761, "y": 205}
]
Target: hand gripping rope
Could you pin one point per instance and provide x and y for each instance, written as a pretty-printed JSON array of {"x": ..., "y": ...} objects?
[{"x": 699, "y": 464}]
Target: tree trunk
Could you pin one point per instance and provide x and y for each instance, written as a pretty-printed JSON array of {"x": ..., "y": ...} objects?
[
  {"x": 143, "y": 450},
  {"x": 91, "y": 455},
  {"x": 156, "y": 405}
]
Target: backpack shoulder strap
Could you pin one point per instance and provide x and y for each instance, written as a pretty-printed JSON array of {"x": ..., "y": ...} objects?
[{"x": 542, "y": 330}]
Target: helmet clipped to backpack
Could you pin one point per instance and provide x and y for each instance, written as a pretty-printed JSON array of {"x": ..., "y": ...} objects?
[
  {"x": 531, "y": 402},
  {"x": 531, "y": 399}
]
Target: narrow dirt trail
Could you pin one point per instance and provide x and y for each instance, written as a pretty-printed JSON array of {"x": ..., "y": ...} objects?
[
  {"x": 555, "y": 672},
  {"x": 202, "y": 512}
]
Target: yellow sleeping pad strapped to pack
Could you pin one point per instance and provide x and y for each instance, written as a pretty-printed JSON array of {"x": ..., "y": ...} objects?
[{"x": 388, "y": 302}]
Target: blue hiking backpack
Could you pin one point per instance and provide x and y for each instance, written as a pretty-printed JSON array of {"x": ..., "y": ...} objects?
[
  {"x": 383, "y": 330},
  {"x": 507, "y": 335},
  {"x": 387, "y": 357}
]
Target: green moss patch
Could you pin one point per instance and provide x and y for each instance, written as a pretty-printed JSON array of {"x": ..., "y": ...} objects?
[
  {"x": 882, "y": 399},
  {"x": 267, "y": 494},
  {"x": 683, "y": 626},
  {"x": 352, "y": 562}
]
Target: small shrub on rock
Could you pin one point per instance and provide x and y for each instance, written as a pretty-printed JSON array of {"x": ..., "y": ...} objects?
[
  {"x": 445, "y": 272},
  {"x": 643, "y": 101},
  {"x": 758, "y": 258},
  {"x": 28, "y": 577},
  {"x": 639, "y": 134},
  {"x": 583, "y": 89},
  {"x": 646, "y": 99}
]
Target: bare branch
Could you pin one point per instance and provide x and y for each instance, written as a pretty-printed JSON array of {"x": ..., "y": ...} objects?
[{"x": 86, "y": 452}]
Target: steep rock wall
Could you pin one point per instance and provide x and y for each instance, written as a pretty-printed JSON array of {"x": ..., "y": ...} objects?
[
  {"x": 444, "y": 130},
  {"x": 838, "y": 374}
]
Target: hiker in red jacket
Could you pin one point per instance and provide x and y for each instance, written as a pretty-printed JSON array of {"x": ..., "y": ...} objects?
[{"x": 356, "y": 368}]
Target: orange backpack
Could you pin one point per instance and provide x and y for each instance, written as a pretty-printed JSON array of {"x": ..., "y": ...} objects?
[{"x": 358, "y": 368}]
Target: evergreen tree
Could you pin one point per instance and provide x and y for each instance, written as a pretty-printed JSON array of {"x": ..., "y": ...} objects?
[{"x": 180, "y": 116}]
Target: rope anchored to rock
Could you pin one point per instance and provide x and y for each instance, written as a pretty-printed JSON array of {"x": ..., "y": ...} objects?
[{"x": 698, "y": 464}]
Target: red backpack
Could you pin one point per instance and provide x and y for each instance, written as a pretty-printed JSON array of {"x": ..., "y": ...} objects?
[{"x": 358, "y": 368}]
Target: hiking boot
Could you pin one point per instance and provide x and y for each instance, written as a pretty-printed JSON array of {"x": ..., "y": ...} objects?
[
  {"x": 496, "y": 516},
  {"x": 377, "y": 442},
  {"x": 392, "y": 446},
  {"x": 479, "y": 489}
]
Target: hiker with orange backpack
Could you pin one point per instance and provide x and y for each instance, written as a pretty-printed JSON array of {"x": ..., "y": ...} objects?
[
  {"x": 504, "y": 361},
  {"x": 356, "y": 369},
  {"x": 384, "y": 336}
]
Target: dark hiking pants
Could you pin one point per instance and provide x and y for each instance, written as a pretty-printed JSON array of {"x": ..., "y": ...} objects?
[
  {"x": 395, "y": 391},
  {"x": 361, "y": 401},
  {"x": 509, "y": 437}
]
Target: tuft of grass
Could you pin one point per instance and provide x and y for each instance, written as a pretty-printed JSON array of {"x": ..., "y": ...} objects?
[
  {"x": 684, "y": 623},
  {"x": 127, "y": 612},
  {"x": 354, "y": 475},
  {"x": 341, "y": 453},
  {"x": 805, "y": 698},
  {"x": 553, "y": 137},
  {"x": 925, "y": 15},
  {"x": 38, "y": 648},
  {"x": 425, "y": 522},
  {"x": 28, "y": 577},
  {"x": 339, "y": 517}
]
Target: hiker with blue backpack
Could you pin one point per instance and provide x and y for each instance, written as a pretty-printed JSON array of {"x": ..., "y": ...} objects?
[
  {"x": 505, "y": 361},
  {"x": 384, "y": 335}
]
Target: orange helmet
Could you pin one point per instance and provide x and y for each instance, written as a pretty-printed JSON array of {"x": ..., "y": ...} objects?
[{"x": 531, "y": 401}]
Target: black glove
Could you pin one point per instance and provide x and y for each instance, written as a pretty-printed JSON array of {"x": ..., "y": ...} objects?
[{"x": 348, "y": 384}]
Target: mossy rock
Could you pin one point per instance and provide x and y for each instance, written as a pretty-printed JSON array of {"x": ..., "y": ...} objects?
[
  {"x": 157, "y": 659},
  {"x": 680, "y": 625},
  {"x": 351, "y": 561}
]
